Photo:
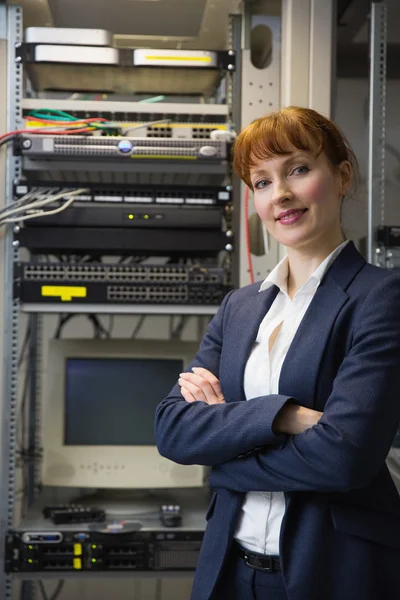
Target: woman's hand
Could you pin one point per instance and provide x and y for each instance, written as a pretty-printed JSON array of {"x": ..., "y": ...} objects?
[
  {"x": 201, "y": 385},
  {"x": 293, "y": 419}
]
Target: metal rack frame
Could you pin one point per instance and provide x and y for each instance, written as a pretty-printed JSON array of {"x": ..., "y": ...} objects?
[
  {"x": 11, "y": 92},
  {"x": 377, "y": 130}
]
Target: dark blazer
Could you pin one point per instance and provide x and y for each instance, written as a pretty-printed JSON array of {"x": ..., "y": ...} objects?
[{"x": 340, "y": 538}]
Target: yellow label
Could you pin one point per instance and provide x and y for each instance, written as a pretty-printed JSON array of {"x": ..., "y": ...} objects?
[
  {"x": 191, "y": 58},
  {"x": 64, "y": 292},
  {"x": 78, "y": 549},
  {"x": 77, "y": 563}
]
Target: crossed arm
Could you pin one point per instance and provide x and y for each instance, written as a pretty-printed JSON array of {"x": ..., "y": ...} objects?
[
  {"x": 344, "y": 450},
  {"x": 202, "y": 385},
  {"x": 210, "y": 433}
]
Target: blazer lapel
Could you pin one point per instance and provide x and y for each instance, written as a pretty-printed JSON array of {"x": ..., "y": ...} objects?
[
  {"x": 301, "y": 366},
  {"x": 247, "y": 321}
]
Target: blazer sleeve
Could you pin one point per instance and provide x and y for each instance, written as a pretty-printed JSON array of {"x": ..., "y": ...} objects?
[
  {"x": 349, "y": 445},
  {"x": 199, "y": 433}
]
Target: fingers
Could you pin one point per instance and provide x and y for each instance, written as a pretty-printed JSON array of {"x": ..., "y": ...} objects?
[
  {"x": 202, "y": 385},
  {"x": 212, "y": 380},
  {"x": 187, "y": 395},
  {"x": 192, "y": 388}
]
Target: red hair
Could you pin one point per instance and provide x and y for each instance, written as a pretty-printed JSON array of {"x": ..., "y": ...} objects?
[{"x": 293, "y": 127}]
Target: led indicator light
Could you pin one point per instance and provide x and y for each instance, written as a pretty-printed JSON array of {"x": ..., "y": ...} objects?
[
  {"x": 30, "y": 547},
  {"x": 94, "y": 560},
  {"x": 30, "y": 561},
  {"x": 131, "y": 217},
  {"x": 146, "y": 217},
  {"x": 94, "y": 546}
]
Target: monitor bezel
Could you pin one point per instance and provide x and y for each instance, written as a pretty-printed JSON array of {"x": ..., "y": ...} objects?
[{"x": 117, "y": 467}]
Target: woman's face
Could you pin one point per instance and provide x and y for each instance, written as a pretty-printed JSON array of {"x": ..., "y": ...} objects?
[{"x": 298, "y": 197}]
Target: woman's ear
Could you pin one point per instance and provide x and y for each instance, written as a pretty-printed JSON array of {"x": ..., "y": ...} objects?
[{"x": 345, "y": 173}]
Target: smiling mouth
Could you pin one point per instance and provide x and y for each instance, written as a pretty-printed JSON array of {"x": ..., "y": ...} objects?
[{"x": 292, "y": 214}]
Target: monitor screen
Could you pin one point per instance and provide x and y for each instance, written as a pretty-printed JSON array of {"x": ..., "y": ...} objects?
[
  {"x": 100, "y": 398},
  {"x": 112, "y": 401}
]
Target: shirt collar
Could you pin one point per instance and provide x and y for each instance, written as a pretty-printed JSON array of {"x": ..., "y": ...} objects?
[{"x": 279, "y": 274}]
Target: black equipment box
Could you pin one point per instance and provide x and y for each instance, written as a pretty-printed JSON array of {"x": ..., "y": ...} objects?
[
  {"x": 121, "y": 215},
  {"x": 125, "y": 542},
  {"x": 113, "y": 240},
  {"x": 389, "y": 236},
  {"x": 67, "y": 549}
]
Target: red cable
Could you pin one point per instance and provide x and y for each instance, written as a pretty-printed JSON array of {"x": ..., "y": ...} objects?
[
  {"x": 247, "y": 232},
  {"x": 36, "y": 131},
  {"x": 56, "y": 124},
  {"x": 62, "y": 123}
]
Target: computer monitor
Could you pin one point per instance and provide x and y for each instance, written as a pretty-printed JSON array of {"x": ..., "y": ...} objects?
[{"x": 99, "y": 404}]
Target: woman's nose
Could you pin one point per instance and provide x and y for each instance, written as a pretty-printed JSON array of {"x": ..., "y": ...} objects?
[{"x": 281, "y": 193}]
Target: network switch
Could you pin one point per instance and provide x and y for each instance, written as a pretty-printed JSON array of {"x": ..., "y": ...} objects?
[{"x": 117, "y": 284}]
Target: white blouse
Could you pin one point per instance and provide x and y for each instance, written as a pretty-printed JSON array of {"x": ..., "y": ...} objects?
[{"x": 261, "y": 517}]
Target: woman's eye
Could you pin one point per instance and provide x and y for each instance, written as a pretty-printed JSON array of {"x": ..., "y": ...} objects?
[
  {"x": 261, "y": 184},
  {"x": 301, "y": 170}
]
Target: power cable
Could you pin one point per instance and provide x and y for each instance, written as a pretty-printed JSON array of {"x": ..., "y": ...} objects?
[
  {"x": 138, "y": 327},
  {"x": 57, "y": 591}
]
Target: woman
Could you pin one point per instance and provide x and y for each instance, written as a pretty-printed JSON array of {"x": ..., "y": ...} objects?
[{"x": 303, "y": 506}]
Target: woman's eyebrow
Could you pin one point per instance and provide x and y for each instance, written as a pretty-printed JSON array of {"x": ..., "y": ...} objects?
[{"x": 291, "y": 158}]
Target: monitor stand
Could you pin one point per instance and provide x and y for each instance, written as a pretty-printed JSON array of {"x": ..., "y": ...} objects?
[{"x": 128, "y": 503}]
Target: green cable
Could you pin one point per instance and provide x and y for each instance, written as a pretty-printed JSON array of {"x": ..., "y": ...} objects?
[
  {"x": 56, "y": 113},
  {"x": 154, "y": 99},
  {"x": 39, "y": 115},
  {"x": 59, "y": 115}
]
